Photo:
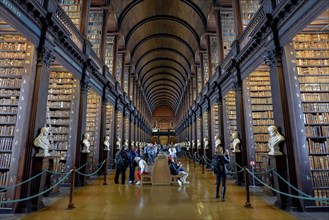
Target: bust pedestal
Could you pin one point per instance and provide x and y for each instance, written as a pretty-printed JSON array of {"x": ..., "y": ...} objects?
[
  {"x": 279, "y": 163},
  {"x": 52, "y": 178},
  {"x": 82, "y": 180},
  {"x": 239, "y": 175},
  {"x": 38, "y": 184}
]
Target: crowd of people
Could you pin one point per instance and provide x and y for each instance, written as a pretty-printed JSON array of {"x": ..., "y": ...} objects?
[
  {"x": 132, "y": 159},
  {"x": 145, "y": 157}
]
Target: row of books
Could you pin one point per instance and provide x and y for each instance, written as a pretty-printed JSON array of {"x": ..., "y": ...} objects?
[
  {"x": 7, "y": 119},
  {"x": 320, "y": 179},
  {"x": 4, "y": 176},
  {"x": 315, "y": 97},
  {"x": 7, "y": 130},
  {"x": 6, "y": 144},
  {"x": 317, "y": 118},
  {"x": 320, "y": 131},
  {"x": 5, "y": 160},
  {"x": 321, "y": 162},
  {"x": 317, "y": 147},
  {"x": 315, "y": 107},
  {"x": 312, "y": 70},
  {"x": 321, "y": 193}
]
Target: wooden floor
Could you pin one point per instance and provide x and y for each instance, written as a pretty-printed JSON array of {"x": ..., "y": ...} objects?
[{"x": 195, "y": 201}]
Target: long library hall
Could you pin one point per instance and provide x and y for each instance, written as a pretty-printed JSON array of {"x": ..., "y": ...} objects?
[{"x": 153, "y": 109}]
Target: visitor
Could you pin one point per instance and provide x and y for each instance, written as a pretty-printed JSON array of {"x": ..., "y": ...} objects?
[{"x": 218, "y": 164}]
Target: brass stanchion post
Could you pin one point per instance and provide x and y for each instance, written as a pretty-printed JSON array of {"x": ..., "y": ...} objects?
[
  {"x": 246, "y": 182},
  {"x": 194, "y": 159},
  {"x": 72, "y": 182},
  {"x": 203, "y": 165},
  {"x": 105, "y": 172}
]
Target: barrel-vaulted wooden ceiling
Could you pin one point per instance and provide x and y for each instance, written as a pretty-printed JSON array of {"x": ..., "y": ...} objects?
[{"x": 162, "y": 39}]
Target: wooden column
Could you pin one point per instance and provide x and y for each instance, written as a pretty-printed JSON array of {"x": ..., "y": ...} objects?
[
  {"x": 103, "y": 128},
  {"x": 85, "y": 11},
  {"x": 81, "y": 129},
  {"x": 123, "y": 72},
  {"x": 34, "y": 165},
  {"x": 202, "y": 71},
  {"x": 240, "y": 157},
  {"x": 219, "y": 35},
  {"x": 104, "y": 34},
  {"x": 282, "y": 122},
  {"x": 209, "y": 56},
  {"x": 115, "y": 54},
  {"x": 237, "y": 18},
  {"x": 221, "y": 126},
  {"x": 115, "y": 125},
  {"x": 196, "y": 81}
]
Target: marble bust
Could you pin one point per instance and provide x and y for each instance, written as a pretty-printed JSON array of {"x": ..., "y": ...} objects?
[
  {"x": 235, "y": 143},
  {"x": 188, "y": 145},
  {"x": 275, "y": 139},
  {"x": 217, "y": 141},
  {"x": 193, "y": 144},
  {"x": 42, "y": 143},
  {"x": 125, "y": 144},
  {"x": 107, "y": 143},
  {"x": 206, "y": 143},
  {"x": 85, "y": 143},
  {"x": 132, "y": 143},
  {"x": 118, "y": 143},
  {"x": 198, "y": 144}
]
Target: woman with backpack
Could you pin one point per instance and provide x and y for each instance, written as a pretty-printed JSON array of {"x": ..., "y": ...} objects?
[{"x": 218, "y": 164}]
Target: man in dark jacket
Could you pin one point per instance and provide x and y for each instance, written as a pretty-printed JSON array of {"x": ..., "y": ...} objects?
[
  {"x": 121, "y": 163},
  {"x": 132, "y": 164},
  {"x": 218, "y": 163},
  {"x": 177, "y": 169}
]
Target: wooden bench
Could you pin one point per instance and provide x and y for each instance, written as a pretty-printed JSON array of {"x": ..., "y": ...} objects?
[
  {"x": 160, "y": 174},
  {"x": 175, "y": 178}
]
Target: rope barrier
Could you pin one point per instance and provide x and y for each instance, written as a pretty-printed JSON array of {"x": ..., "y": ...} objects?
[
  {"x": 286, "y": 194},
  {"x": 47, "y": 190},
  {"x": 56, "y": 173},
  {"x": 83, "y": 166},
  {"x": 91, "y": 174},
  {"x": 25, "y": 181}
]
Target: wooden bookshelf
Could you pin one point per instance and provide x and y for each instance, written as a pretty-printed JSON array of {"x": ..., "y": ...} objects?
[
  {"x": 119, "y": 128},
  {"x": 261, "y": 114},
  {"x": 228, "y": 32},
  {"x": 73, "y": 10},
  {"x": 93, "y": 128},
  {"x": 229, "y": 119},
  {"x": 61, "y": 102},
  {"x": 95, "y": 29},
  {"x": 16, "y": 60},
  {"x": 214, "y": 53},
  {"x": 215, "y": 122},
  {"x": 248, "y": 9},
  {"x": 312, "y": 61},
  {"x": 109, "y": 51}
]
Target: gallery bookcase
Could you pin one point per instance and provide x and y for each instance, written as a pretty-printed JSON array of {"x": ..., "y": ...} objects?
[
  {"x": 229, "y": 117},
  {"x": 93, "y": 129},
  {"x": 215, "y": 121},
  {"x": 73, "y": 10},
  {"x": 260, "y": 116},
  {"x": 311, "y": 51},
  {"x": 62, "y": 101},
  {"x": 17, "y": 58},
  {"x": 95, "y": 29}
]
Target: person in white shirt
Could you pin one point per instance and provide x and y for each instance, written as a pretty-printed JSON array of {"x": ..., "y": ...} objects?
[
  {"x": 172, "y": 152},
  {"x": 143, "y": 168}
]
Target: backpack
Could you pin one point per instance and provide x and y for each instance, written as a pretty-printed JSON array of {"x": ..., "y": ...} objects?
[
  {"x": 121, "y": 159},
  {"x": 218, "y": 165}
]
